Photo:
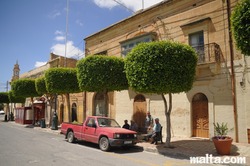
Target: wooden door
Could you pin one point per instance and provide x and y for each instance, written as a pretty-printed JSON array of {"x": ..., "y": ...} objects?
[
  {"x": 139, "y": 112},
  {"x": 200, "y": 116}
]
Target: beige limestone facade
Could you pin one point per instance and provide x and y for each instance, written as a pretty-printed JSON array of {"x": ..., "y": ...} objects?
[
  {"x": 220, "y": 92},
  {"x": 59, "y": 101}
]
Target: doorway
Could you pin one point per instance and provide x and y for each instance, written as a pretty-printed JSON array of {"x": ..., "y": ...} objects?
[
  {"x": 139, "y": 111},
  {"x": 200, "y": 116}
]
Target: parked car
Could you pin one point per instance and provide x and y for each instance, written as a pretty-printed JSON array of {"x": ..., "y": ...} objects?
[
  {"x": 2, "y": 112},
  {"x": 99, "y": 130}
]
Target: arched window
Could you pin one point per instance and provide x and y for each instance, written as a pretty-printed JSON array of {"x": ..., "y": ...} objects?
[
  {"x": 100, "y": 105},
  {"x": 74, "y": 112}
]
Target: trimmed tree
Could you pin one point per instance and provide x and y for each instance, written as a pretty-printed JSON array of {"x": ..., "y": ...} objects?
[
  {"x": 62, "y": 81},
  {"x": 25, "y": 88},
  {"x": 240, "y": 20},
  {"x": 41, "y": 89},
  {"x": 14, "y": 99},
  {"x": 4, "y": 99},
  {"x": 98, "y": 73},
  {"x": 162, "y": 67}
]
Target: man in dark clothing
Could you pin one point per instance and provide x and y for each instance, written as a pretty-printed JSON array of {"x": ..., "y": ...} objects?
[{"x": 126, "y": 125}]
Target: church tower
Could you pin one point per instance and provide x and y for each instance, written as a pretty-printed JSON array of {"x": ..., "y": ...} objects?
[{"x": 16, "y": 71}]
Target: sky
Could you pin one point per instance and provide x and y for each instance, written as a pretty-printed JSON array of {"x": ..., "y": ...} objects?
[{"x": 32, "y": 29}]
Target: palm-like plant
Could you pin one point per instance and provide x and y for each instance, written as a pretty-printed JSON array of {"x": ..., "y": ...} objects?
[{"x": 221, "y": 130}]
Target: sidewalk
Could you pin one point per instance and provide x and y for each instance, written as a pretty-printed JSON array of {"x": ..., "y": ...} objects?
[
  {"x": 185, "y": 147},
  {"x": 194, "y": 147}
]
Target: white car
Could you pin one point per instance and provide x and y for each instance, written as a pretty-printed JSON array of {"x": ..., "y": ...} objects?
[{"x": 1, "y": 112}]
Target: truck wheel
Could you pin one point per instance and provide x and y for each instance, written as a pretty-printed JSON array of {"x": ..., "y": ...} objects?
[
  {"x": 104, "y": 144},
  {"x": 70, "y": 137}
]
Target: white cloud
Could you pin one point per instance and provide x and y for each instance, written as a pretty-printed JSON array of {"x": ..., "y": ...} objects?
[
  {"x": 54, "y": 14},
  {"x": 134, "y": 5},
  {"x": 57, "y": 32},
  {"x": 60, "y": 38},
  {"x": 72, "y": 51},
  {"x": 38, "y": 64},
  {"x": 79, "y": 22}
]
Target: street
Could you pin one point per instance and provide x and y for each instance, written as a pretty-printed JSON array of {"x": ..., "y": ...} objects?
[{"x": 23, "y": 145}]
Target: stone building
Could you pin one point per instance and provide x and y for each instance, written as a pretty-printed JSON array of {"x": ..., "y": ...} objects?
[
  {"x": 59, "y": 103},
  {"x": 220, "y": 92},
  {"x": 221, "y": 87}
]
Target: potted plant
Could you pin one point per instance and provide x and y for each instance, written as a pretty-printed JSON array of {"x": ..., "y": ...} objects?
[{"x": 222, "y": 142}]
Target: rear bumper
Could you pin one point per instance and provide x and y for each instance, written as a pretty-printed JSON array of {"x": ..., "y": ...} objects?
[{"x": 122, "y": 142}]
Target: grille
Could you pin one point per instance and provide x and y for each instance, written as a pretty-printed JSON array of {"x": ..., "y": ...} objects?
[{"x": 126, "y": 136}]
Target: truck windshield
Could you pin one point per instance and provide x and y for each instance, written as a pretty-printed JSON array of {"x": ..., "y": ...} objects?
[{"x": 104, "y": 122}]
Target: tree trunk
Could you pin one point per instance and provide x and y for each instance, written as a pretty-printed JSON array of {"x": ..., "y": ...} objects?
[
  {"x": 33, "y": 110},
  {"x": 105, "y": 103},
  {"x": 50, "y": 99},
  {"x": 68, "y": 106},
  {"x": 168, "y": 120}
]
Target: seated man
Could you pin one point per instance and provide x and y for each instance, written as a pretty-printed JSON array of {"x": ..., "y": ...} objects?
[{"x": 156, "y": 131}]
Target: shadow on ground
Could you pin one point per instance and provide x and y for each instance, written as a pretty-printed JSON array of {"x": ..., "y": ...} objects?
[
  {"x": 120, "y": 150},
  {"x": 191, "y": 148}
]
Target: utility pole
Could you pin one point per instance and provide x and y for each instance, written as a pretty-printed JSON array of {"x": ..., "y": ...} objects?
[
  {"x": 66, "y": 34},
  {"x": 7, "y": 85}
]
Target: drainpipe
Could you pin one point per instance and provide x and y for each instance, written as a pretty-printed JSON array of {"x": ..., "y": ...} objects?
[{"x": 232, "y": 71}]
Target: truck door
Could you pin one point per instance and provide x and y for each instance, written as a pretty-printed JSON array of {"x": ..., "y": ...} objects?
[{"x": 90, "y": 131}]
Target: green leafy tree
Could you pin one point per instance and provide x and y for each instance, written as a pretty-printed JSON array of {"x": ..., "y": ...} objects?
[
  {"x": 4, "y": 97},
  {"x": 14, "y": 99},
  {"x": 62, "y": 81},
  {"x": 25, "y": 88},
  {"x": 240, "y": 20},
  {"x": 41, "y": 85},
  {"x": 163, "y": 68},
  {"x": 98, "y": 73},
  {"x": 41, "y": 89}
]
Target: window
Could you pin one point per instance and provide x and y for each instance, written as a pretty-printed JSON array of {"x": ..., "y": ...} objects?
[
  {"x": 91, "y": 122},
  {"x": 100, "y": 105},
  {"x": 128, "y": 45},
  {"x": 74, "y": 112},
  {"x": 196, "y": 40}
]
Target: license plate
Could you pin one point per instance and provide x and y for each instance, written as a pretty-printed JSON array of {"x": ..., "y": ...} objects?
[{"x": 127, "y": 142}]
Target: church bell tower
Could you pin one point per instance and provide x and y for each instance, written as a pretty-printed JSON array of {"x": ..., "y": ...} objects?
[{"x": 16, "y": 71}]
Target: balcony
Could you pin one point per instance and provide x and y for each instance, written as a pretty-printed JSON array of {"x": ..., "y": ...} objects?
[{"x": 209, "y": 53}]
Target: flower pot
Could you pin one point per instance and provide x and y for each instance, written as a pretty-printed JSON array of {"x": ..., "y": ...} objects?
[{"x": 223, "y": 145}]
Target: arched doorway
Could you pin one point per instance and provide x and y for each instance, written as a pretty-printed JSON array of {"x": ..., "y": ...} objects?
[
  {"x": 100, "y": 105},
  {"x": 200, "y": 116},
  {"x": 139, "y": 111},
  {"x": 61, "y": 116},
  {"x": 74, "y": 112}
]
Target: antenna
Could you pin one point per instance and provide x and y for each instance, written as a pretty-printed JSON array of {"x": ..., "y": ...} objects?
[
  {"x": 124, "y": 6},
  {"x": 66, "y": 34}
]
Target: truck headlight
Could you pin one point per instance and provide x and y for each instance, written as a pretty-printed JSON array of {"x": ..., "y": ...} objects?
[
  {"x": 116, "y": 135},
  {"x": 135, "y": 135}
]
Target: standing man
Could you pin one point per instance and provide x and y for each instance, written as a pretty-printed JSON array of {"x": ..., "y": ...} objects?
[{"x": 149, "y": 123}]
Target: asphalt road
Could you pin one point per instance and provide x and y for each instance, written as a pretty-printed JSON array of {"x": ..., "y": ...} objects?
[{"x": 21, "y": 146}]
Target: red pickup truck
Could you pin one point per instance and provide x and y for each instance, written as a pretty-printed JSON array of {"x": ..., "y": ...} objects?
[{"x": 100, "y": 130}]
